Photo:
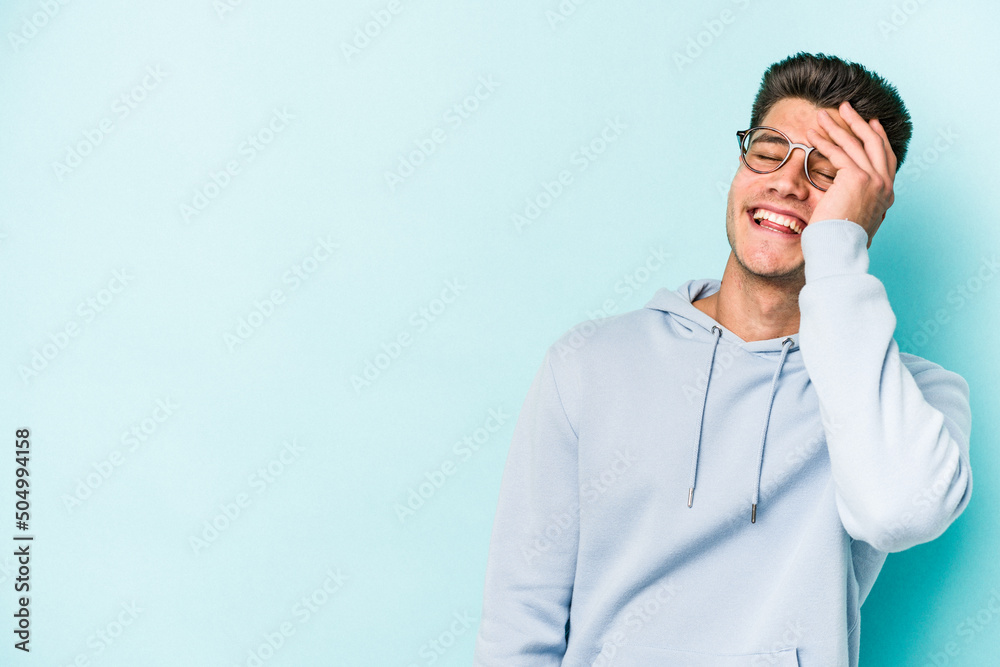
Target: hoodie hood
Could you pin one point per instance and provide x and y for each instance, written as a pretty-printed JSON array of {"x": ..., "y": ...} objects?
[{"x": 679, "y": 305}]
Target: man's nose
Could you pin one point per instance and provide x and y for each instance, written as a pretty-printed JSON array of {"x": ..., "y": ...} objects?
[{"x": 790, "y": 180}]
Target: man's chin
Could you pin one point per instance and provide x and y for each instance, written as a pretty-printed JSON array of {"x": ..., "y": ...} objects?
[{"x": 768, "y": 272}]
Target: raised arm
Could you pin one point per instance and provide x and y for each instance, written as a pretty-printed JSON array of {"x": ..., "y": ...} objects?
[{"x": 899, "y": 447}]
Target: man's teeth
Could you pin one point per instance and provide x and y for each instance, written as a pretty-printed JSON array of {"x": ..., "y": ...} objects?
[{"x": 779, "y": 219}]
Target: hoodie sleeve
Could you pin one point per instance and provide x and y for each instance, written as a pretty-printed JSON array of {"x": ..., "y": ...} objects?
[
  {"x": 532, "y": 555},
  {"x": 898, "y": 441}
]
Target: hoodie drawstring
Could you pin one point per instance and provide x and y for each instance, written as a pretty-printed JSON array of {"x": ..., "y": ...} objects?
[
  {"x": 717, "y": 334},
  {"x": 763, "y": 434}
]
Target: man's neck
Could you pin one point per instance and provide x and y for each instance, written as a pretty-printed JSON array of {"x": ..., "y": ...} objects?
[{"x": 752, "y": 308}]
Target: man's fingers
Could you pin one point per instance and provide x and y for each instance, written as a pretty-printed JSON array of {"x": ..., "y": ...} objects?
[
  {"x": 890, "y": 154},
  {"x": 846, "y": 140},
  {"x": 834, "y": 153},
  {"x": 875, "y": 146}
]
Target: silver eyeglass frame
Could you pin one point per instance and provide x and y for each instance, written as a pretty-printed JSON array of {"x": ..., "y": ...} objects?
[{"x": 742, "y": 134}]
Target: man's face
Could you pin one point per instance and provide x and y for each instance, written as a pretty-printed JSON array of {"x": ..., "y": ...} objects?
[{"x": 758, "y": 250}]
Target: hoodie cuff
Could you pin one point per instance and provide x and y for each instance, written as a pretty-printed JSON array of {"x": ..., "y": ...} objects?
[{"x": 834, "y": 247}]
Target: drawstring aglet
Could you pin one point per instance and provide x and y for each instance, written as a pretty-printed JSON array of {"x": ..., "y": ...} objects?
[
  {"x": 753, "y": 513},
  {"x": 690, "y": 496}
]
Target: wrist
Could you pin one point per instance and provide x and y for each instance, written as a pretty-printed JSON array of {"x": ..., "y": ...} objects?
[{"x": 834, "y": 246}]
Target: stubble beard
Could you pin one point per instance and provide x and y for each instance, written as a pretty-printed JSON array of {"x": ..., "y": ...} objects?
[{"x": 790, "y": 278}]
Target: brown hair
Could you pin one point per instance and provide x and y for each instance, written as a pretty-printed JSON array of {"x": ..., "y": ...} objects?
[{"x": 827, "y": 81}]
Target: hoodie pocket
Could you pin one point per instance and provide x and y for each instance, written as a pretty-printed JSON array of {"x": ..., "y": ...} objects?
[{"x": 649, "y": 656}]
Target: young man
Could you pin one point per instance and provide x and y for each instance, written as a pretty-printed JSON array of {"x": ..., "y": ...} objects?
[{"x": 716, "y": 479}]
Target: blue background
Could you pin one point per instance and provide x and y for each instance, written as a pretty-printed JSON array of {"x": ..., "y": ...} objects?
[{"x": 208, "y": 316}]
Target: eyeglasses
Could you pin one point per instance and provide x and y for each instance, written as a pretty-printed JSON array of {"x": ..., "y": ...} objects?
[{"x": 766, "y": 149}]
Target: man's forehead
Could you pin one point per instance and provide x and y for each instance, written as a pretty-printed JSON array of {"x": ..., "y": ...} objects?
[{"x": 793, "y": 116}]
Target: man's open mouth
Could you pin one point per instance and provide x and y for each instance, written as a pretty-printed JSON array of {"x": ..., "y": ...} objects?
[{"x": 776, "y": 222}]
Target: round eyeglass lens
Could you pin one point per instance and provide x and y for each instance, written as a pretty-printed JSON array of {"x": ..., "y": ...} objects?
[
  {"x": 764, "y": 150},
  {"x": 821, "y": 170}
]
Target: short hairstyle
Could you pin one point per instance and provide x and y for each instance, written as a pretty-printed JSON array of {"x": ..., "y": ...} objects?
[{"x": 827, "y": 81}]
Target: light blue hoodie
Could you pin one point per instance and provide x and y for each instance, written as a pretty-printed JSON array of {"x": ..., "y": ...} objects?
[{"x": 674, "y": 495}]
